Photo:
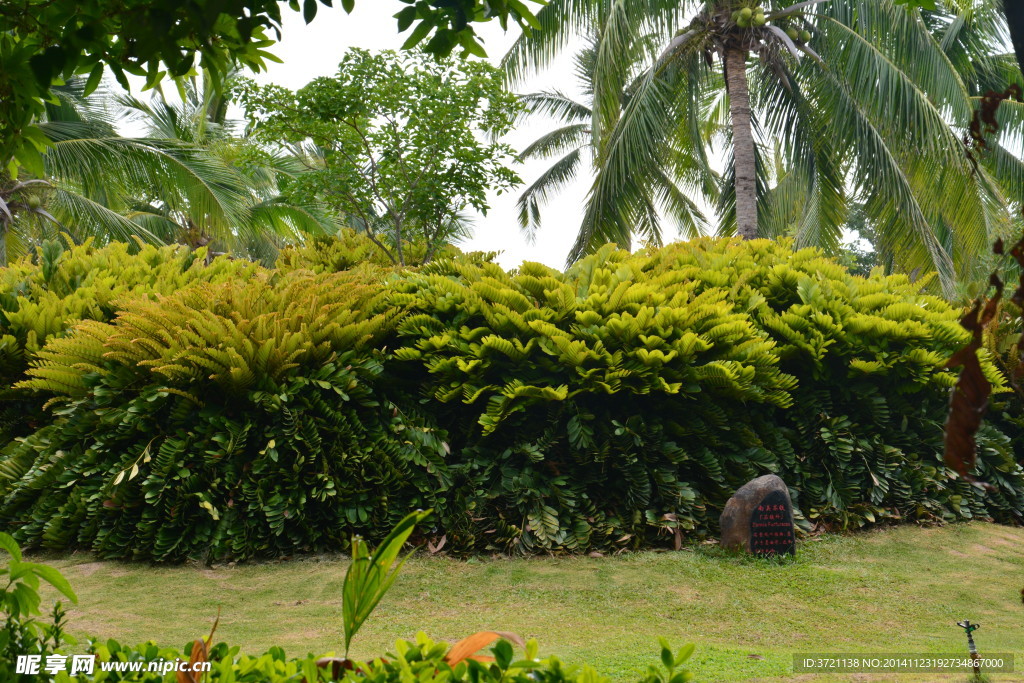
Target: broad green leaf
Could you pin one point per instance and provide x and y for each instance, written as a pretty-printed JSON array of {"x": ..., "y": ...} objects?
[
  {"x": 8, "y": 543},
  {"x": 55, "y": 579}
]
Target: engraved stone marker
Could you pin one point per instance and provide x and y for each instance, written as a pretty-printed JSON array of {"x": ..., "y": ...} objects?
[
  {"x": 759, "y": 518},
  {"x": 771, "y": 526}
]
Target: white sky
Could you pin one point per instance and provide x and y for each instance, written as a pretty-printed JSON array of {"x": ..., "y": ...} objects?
[{"x": 311, "y": 51}]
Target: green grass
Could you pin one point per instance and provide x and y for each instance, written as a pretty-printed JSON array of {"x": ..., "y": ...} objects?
[{"x": 891, "y": 591}]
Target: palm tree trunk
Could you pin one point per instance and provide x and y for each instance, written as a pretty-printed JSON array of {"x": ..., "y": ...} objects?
[{"x": 742, "y": 141}]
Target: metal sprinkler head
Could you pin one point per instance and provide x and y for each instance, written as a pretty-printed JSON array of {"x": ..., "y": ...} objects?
[{"x": 968, "y": 626}]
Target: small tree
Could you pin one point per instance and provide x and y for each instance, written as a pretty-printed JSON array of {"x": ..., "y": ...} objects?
[{"x": 399, "y": 144}]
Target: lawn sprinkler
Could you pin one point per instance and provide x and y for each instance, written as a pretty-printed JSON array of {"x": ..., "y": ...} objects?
[{"x": 970, "y": 628}]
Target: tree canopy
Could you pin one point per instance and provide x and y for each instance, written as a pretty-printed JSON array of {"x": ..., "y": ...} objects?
[
  {"x": 398, "y": 144},
  {"x": 821, "y": 107}
]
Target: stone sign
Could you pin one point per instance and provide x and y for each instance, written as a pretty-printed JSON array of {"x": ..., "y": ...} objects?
[
  {"x": 771, "y": 526},
  {"x": 759, "y": 518}
]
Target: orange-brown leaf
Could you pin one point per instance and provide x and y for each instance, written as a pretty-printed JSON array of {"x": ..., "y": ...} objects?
[
  {"x": 200, "y": 653},
  {"x": 474, "y": 643}
]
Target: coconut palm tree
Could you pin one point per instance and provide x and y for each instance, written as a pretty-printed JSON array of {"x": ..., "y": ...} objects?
[
  {"x": 858, "y": 96},
  {"x": 665, "y": 189},
  {"x": 188, "y": 179},
  {"x": 267, "y": 220}
]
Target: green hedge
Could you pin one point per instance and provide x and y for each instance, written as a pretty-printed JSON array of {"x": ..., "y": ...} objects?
[
  {"x": 43, "y": 297},
  {"x": 617, "y": 404}
]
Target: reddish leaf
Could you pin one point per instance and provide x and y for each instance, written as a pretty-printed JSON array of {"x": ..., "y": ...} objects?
[
  {"x": 336, "y": 665},
  {"x": 434, "y": 548},
  {"x": 970, "y": 396},
  {"x": 984, "y": 120},
  {"x": 200, "y": 653}
]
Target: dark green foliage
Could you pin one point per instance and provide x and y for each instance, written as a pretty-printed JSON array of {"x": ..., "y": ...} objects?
[
  {"x": 45, "y": 42},
  {"x": 618, "y": 404}
]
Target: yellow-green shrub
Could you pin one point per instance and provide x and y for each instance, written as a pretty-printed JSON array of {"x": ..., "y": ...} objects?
[
  {"x": 241, "y": 419},
  {"x": 349, "y": 249},
  {"x": 42, "y": 297},
  {"x": 617, "y": 404}
]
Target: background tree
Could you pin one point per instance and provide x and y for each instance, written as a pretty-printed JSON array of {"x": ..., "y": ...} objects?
[
  {"x": 395, "y": 144},
  {"x": 45, "y": 42},
  {"x": 1014, "y": 11},
  {"x": 189, "y": 179},
  {"x": 262, "y": 219},
  {"x": 857, "y": 99},
  {"x": 665, "y": 188}
]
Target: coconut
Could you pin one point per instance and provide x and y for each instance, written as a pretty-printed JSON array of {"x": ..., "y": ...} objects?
[
  {"x": 746, "y": 13},
  {"x": 34, "y": 201},
  {"x": 759, "y": 19},
  {"x": 805, "y": 35},
  {"x": 793, "y": 33}
]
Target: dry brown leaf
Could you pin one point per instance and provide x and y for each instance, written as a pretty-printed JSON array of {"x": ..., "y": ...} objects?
[
  {"x": 969, "y": 399},
  {"x": 434, "y": 548}
]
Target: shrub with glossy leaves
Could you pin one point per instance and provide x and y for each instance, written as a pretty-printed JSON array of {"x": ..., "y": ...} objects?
[
  {"x": 236, "y": 419},
  {"x": 349, "y": 249},
  {"x": 872, "y": 391},
  {"x": 617, "y": 404},
  {"x": 630, "y": 396},
  {"x": 593, "y": 408},
  {"x": 44, "y": 296}
]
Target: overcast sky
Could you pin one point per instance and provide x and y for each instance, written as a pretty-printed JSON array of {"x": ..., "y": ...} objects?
[{"x": 315, "y": 50}]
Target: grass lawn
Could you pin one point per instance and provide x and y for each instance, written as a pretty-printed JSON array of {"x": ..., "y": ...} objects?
[{"x": 892, "y": 591}]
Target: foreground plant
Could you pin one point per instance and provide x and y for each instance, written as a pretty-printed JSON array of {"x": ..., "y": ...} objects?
[
  {"x": 371, "y": 574},
  {"x": 22, "y": 635},
  {"x": 367, "y": 579}
]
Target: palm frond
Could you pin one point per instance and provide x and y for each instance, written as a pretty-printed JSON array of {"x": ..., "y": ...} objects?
[{"x": 533, "y": 198}]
